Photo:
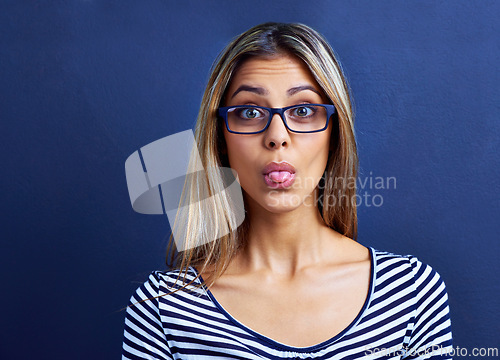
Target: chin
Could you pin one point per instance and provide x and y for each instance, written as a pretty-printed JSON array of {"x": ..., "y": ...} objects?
[
  {"x": 278, "y": 202},
  {"x": 279, "y": 209}
]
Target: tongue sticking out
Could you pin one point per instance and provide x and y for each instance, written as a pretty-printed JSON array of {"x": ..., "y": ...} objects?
[{"x": 279, "y": 176}]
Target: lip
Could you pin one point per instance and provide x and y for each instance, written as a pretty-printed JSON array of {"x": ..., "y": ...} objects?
[
  {"x": 281, "y": 166},
  {"x": 279, "y": 182}
]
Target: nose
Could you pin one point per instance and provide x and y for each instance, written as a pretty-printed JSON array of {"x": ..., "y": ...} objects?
[{"x": 276, "y": 135}]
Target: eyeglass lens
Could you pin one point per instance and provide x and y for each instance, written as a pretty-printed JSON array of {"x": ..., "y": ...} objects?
[{"x": 298, "y": 118}]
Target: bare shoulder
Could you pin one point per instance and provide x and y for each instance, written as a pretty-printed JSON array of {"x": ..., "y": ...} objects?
[{"x": 345, "y": 249}]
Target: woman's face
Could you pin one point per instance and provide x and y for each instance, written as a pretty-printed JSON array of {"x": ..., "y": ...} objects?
[{"x": 278, "y": 170}]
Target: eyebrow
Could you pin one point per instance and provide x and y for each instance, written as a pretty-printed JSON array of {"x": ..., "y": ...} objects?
[
  {"x": 297, "y": 89},
  {"x": 256, "y": 90},
  {"x": 262, "y": 91}
]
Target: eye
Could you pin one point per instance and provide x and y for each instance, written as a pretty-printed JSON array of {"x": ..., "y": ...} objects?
[
  {"x": 303, "y": 111},
  {"x": 250, "y": 113}
]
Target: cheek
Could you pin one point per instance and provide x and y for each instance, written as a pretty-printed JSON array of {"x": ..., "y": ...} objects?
[
  {"x": 326, "y": 142},
  {"x": 315, "y": 161},
  {"x": 318, "y": 148},
  {"x": 231, "y": 149},
  {"x": 239, "y": 152}
]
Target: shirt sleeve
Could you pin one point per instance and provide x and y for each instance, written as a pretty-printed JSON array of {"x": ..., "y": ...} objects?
[
  {"x": 430, "y": 336},
  {"x": 144, "y": 337}
]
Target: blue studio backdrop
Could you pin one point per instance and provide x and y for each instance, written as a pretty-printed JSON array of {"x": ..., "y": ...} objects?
[{"x": 84, "y": 84}]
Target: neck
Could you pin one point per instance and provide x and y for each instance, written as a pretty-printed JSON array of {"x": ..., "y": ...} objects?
[{"x": 285, "y": 243}]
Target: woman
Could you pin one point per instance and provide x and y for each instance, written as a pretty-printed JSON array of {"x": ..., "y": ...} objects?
[{"x": 291, "y": 281}]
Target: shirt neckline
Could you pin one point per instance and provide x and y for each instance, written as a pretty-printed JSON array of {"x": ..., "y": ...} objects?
[{"x": 285, "y": 347}]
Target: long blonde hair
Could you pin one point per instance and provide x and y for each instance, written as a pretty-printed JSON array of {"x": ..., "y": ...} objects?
[{"x": 338, "y": 207}]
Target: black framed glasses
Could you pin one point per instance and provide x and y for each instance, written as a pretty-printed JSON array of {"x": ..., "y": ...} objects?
[{"x": 303, "y": 118}]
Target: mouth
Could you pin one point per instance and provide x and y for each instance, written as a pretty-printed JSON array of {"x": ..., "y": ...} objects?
[{"x": 279, "y": 175}]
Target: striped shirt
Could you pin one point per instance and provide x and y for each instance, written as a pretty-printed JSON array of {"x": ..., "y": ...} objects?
[{"x": 405, "y": 316}]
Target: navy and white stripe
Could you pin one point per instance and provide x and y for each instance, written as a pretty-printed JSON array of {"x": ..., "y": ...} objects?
[{"x": 405, "y": 315}]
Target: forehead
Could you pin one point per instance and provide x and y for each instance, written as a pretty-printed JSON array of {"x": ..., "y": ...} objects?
[
  {"x": 284, "y": 70},
  {"x": 277, "y": 64}
]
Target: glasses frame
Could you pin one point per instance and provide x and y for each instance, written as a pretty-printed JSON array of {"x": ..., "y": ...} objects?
[{"x": 330, "y": 110}]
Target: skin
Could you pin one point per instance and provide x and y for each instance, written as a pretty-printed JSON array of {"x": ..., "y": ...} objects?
[{"x": 296, "y": 280}]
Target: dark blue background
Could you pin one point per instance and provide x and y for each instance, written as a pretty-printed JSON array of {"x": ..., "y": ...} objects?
[{"x": 86, "y": 83}]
